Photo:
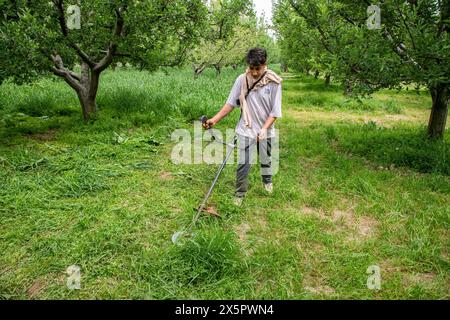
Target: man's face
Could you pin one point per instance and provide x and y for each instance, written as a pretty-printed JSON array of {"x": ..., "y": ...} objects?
[{"x": 257, "y": 71}]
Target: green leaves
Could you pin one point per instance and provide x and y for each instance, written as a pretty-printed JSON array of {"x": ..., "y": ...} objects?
[
  {"x": 38, "y": 38},
  {"x": 154, "y": 32},
  {"x": 229, "y": 32},
  {"x": 334, "y": 37}
]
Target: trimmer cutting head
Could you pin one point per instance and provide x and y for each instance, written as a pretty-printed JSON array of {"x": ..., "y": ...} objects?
[{"x": 177, "y": 235}]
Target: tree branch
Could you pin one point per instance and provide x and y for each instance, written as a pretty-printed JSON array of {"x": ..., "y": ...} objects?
[
  {"x": 61, "y": 71},
  {"x": 111, "y": 52},
  {"x": 83, "y": 55},
  {"x": 407, "y": 27},
  {"x": 74, "y": 75},
  {"x": 323, "y": 38},
  {"x": 444, "y": 24},
  {"x": 119, "y": 21},
  {"x": 118, "y": 53},
  {"x": 107, "y": 59},
  {"x": 62, "y": 20},
  {"x": 65, "y": 31}
]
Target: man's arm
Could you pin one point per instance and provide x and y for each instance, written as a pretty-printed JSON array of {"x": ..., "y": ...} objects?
[
  {"x": 226, "y": 109},
  {"x": 270, "y": 120}
]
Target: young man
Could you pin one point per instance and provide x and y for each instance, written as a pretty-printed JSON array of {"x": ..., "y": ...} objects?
[{"x": 258, "y": 93}]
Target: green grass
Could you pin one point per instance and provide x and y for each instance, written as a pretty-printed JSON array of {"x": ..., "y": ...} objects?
[
  {"x": 309, "y": 93},
  {"x": 357, "y": 186}
]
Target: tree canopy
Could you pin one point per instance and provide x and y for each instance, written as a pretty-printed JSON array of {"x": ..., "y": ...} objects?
[
  {"x": 228, "y": 34},
  {"x": 411, "y": 46},
  {"x": 41, "y": 37}
]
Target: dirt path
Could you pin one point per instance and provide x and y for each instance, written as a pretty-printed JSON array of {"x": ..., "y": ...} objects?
[{"x": 410, "y": 116}]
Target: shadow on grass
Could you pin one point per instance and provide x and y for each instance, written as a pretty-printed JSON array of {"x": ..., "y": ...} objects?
[
  {"x": 124, "y": 107},
  {"x": 309, "y": 83},
  {"x": 320, "y": 86},
  {"x": 401, "y": 146}
]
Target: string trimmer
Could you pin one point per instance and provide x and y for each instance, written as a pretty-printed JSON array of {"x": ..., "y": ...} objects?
[{"x": 230, "y": 148}]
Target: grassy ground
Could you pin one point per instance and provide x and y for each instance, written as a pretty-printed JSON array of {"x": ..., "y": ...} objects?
[{"x": 358, "y": 186}]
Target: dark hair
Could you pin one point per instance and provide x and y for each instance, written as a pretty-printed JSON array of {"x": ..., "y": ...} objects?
[{"x": 256, "y": 56}]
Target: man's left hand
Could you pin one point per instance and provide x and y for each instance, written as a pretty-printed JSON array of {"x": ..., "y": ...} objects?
[{"x": 262, "y": 134}]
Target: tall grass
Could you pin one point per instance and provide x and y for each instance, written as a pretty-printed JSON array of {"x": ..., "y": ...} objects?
[
  {"x": 125, "y": 98},
  {"x": 105, "y": 196}
]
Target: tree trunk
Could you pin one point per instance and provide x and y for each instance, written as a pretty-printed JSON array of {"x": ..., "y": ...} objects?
[
  {"x": 199, "y": 70},
  {"x": 327, "y": 79},
  {"x": 88, "y": 106},
  {"x": 86, "y": 83},
  {"x": 347, "y": 88},
  {"x": 441, "y": 97},
  {"x": 316, "y": 74},
  {"x": 87, "y": 94},
  {"x": 217, "y": 69}
]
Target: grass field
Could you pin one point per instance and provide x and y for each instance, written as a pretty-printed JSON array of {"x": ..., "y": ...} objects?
[{"x": 358, "y": 185}]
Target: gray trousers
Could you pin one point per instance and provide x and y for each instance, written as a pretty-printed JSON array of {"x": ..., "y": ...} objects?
[{"x": 246, "y": 158}]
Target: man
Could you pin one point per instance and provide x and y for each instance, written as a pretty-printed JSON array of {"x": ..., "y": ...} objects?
[{"x": 258, "y": 93}]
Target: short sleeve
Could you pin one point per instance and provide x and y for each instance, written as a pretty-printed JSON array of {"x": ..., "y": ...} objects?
[
  {"x": 276, "y": 102},
  {"x": 233, "y": 97}
]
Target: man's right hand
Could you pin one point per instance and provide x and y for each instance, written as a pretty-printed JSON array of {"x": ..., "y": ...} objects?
[{"x": 208, "y": 124}]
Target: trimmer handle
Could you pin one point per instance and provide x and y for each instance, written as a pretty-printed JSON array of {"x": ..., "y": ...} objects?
[{"x": 203, "y": 119}]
